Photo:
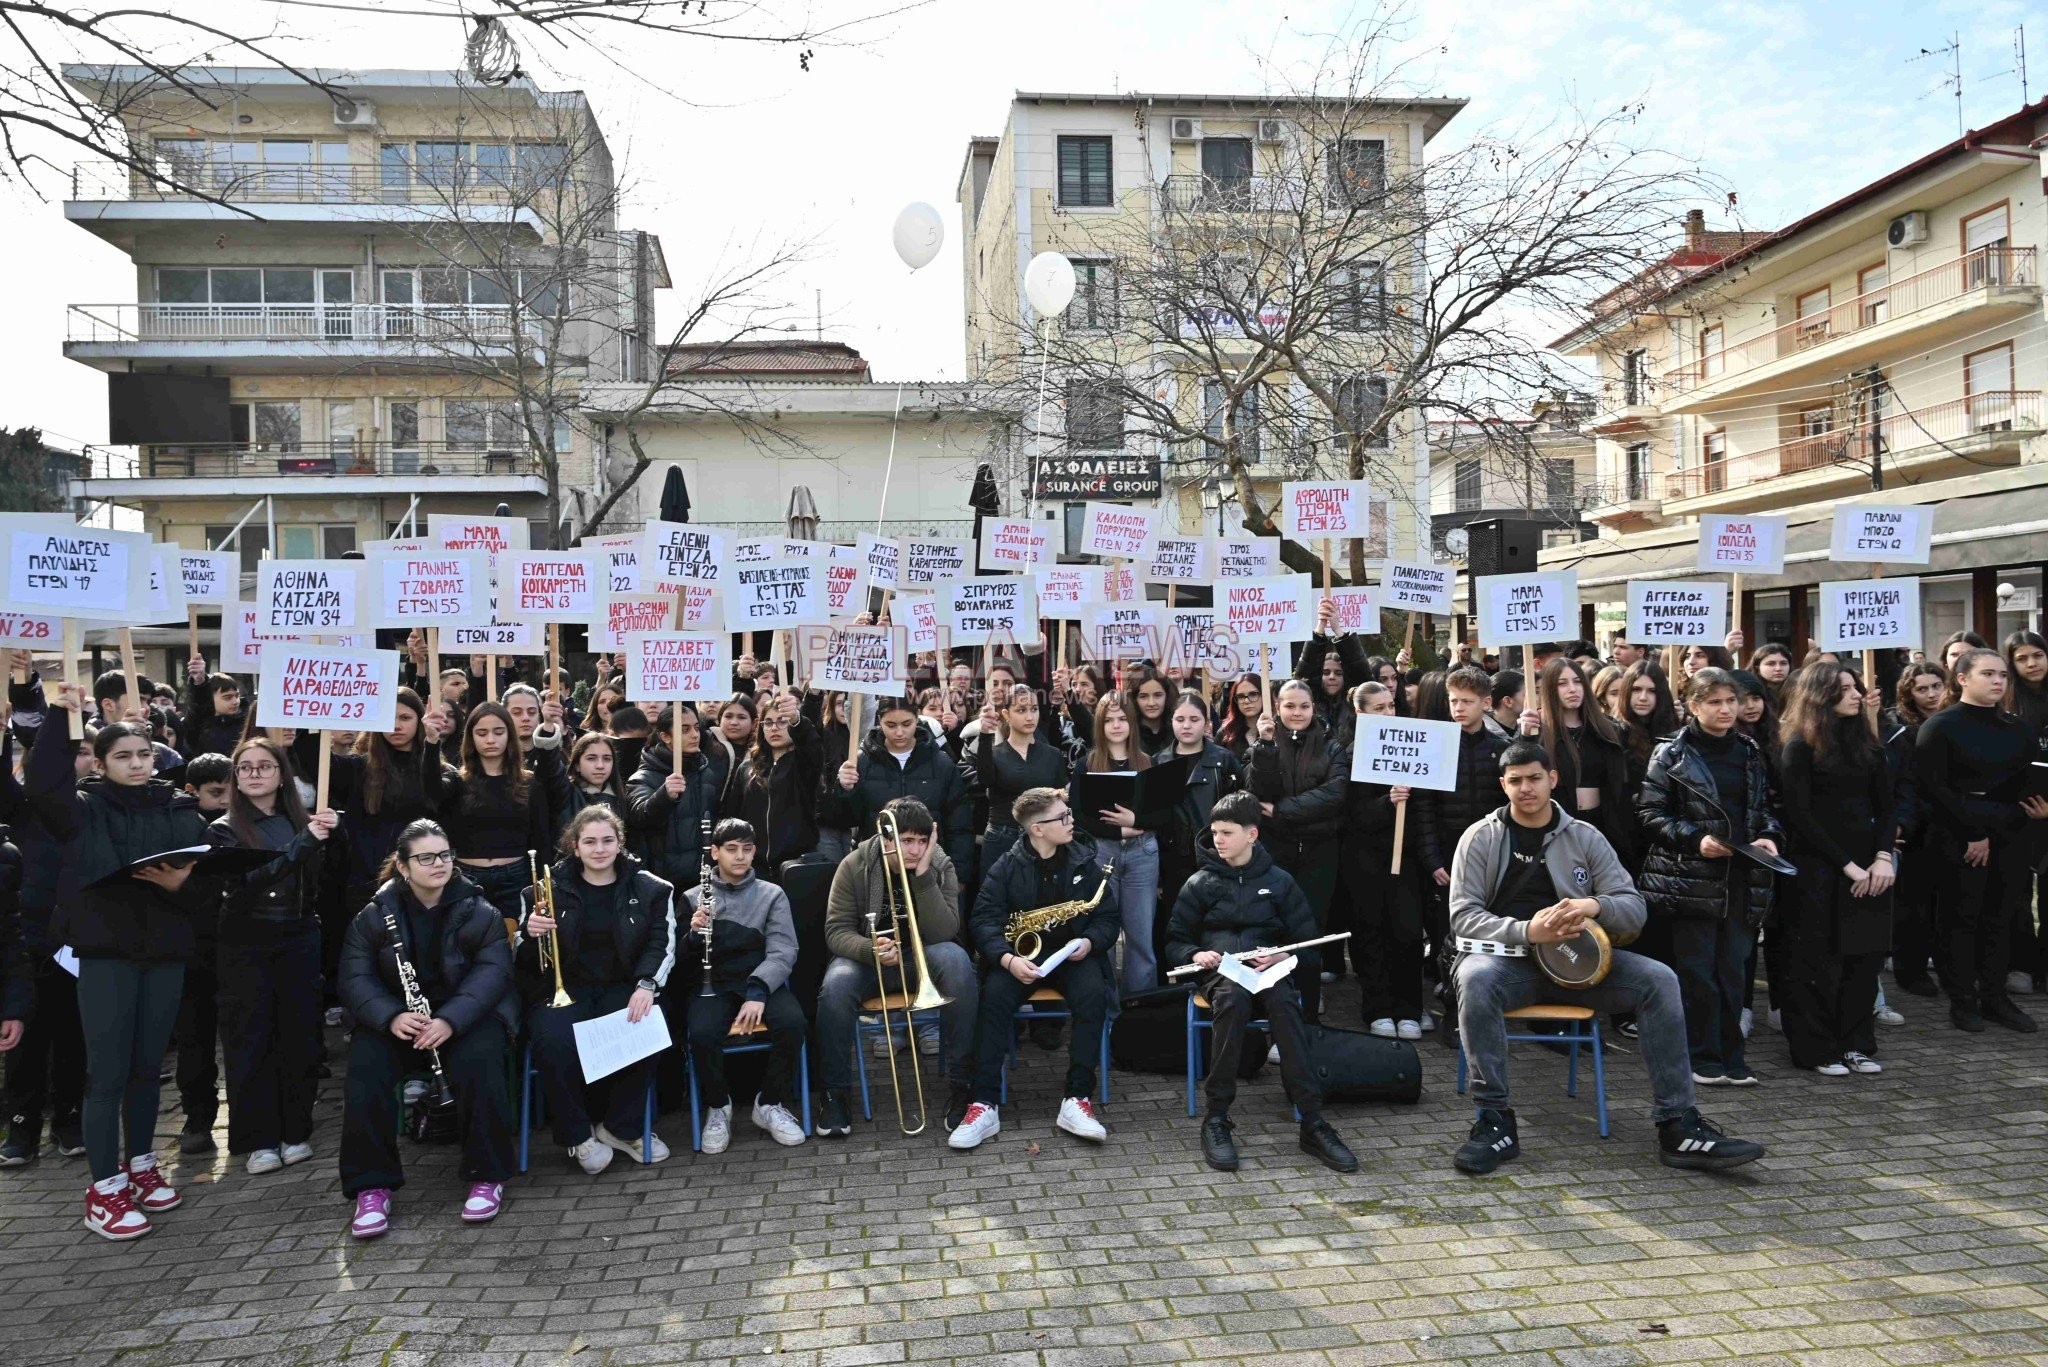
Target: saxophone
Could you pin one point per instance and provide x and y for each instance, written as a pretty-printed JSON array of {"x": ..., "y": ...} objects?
[{"x": 1032, "y": 925}]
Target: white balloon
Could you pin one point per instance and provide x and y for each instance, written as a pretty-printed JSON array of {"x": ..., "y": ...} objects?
[
  {"x": 1049, "y": 283},
  {"x": 918, "y": 232}
]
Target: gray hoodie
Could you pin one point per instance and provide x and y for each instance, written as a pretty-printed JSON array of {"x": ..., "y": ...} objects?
[
  {"x": 1581, "y": 864},
  {"x": 753, "y": 938}
]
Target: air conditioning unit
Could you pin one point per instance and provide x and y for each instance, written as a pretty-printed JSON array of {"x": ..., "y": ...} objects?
[
  {"x": 1272, "y": 130},
  {"x": 1183, "y": 129},
  {"x": 1907, "y": 230},
  {"x": 354, "y": 113}
]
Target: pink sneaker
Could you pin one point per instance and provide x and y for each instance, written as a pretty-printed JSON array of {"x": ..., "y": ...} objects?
[
  {"x": 373, "y": 1213},
  {"x": 149, "y": 1190},
  {"x": 484, "y": 1201}
]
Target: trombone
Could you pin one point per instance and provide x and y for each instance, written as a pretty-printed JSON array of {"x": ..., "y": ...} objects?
[{"x": 902, "y": 914}]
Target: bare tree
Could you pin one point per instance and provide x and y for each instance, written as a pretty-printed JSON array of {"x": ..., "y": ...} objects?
[{"x": 1303, "y": 318}]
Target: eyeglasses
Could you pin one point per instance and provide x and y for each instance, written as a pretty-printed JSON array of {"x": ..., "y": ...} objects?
[
  {"x": 1059, "y": 819},
  {"x": 1247, "y": 697},
  {"x": 255, "y": 770},
  {"x": 432, "y": 859},
  {"x": 779, "y": 723}
]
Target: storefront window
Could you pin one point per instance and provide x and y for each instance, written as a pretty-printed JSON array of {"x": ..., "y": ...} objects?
[{"x": 2019, "y": 610}]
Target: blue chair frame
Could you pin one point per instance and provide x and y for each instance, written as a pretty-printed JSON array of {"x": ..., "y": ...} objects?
[
  {"x": 529, "y": 1094},
  {"x": 865, "y": 1029},
  {"x": 1581, "y": 1032},
  {"x": 1198, "y": 1021},
  {"x": 748, "y": 1045},
  {"x": 1031, "y": 1011}
]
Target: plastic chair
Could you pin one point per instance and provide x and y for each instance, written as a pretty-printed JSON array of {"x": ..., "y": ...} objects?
[
  {"x": 748, "y": 1045},
  {"x": 1199, "y": 1020},
  {"x": 864, "y": 1029},
  {"x": 1582, "y": 1031},
  {"x": 1032, "y": 1010},
  {"x": 529, "y": 1095}
]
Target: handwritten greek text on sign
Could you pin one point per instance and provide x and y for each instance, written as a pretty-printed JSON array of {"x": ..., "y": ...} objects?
[
  {"x": 623, "y": 552},
  {"x": 1870, "y": 614},
  {"x": 926, "y": 561},
  {"x": 881, "y": 559},
  {"x": 1062, "y": 590},
  {"x": 1358, "y": 609},
  {"x": 1750, "y": 544},
  {"x": 210, "y": 576},
  {"x": 995, "y": 610},
  {"x": 165, "y": 602},
  {"x": 1193, "y": 641},
  {"x": 1178, "y": 560},
  {"x": 1014, "y": 544},
  {"x": 491, "y": 535},
  {"x": 626, "y": 613},
  {"x": 663, "y": 666},
  {"x": 1403, "y": 753},
  {"x": 1120, "y": 631},
  {"x": 78, "y": 572},
  {"x": 1251, "y": 557},
  {"x": 852, "y": 659},
  {"x": 673, "y": 552},
  {"x": 21, "y": 631},
  {"x": 553, "y": 586},
  {"x": 320, "y": 688},
  {"x": 776, "y": 594},
  {"x": 430, "y": 588},
  {"x": 842, "y": 576},
  {"x": 495, "y": 636},
  {"x": 1662, "y": 613},
  {"x": 917, "y": 615},
  {"x": 1525, "y": 609},
  {"x": 1276, "y": 609},
  {"x": 1113, "y": 530},
  {"x": 1889, "y": 536},
  {"x": 1312, "y": 510},
  {"x": 310, "y": 597},
  {"x": 1415, "y": 587}
]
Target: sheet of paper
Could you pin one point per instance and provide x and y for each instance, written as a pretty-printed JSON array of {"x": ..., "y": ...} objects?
[
  {"x": 1060, "y": 955},
  {"x": 610, "y": 1043},
  {"x": 67, "y": 959},
  {"x": 1249, "y": 978}
]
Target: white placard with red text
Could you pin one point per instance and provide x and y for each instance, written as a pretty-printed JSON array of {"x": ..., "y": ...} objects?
[
  {"x": 917, "y": 616},
  {"x": 1752, "y": 543},
  {"x": 667, "y": 666},
  {"x": 428, "y": 588},
  {"x": 842, "y": 569},
  {"x": 1015, "y": 543},
  {"x": 1314, "y": 510},
  {"x": 1117, "y": 531},
  {"x": 1417, "y": 586},
  {"x": 1247, "y": 557},
  {"x": 1275, "y": 610},
  {"x": 1358, "y": 609},
  {"x": 623, "y": 614},
  {"x": 553, "y": 586},
  {"x": 321, "y": 688},
  {"x": 492, "y": 535},
  {"x": 25, "y": 631},
  {"x": 1063, "y": 589}
]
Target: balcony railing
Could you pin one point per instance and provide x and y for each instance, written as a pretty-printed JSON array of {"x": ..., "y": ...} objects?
[
  {"x": 446, "y": 187},
  {"x": 1231, "y": 194},
  {"x": 1986, "y": 266},
  {"x": 2006, "y": 410},
  {"x": 455, "y": 323},
  {"x": 252, "y": 460}
]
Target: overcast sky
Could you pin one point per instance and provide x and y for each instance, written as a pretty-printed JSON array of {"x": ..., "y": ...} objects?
[{"x": 727, "y": 145}]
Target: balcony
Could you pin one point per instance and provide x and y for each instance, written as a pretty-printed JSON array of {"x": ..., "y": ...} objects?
[
  {"x": 1982, "y": 428},
  {"x": 110, "y": 336},
  {"x": 310, "y": 468},
  {"x": 1619, "y": 501},
  {"x": 1230, "y": 194},
  {"x": 1945, "y": 301}
]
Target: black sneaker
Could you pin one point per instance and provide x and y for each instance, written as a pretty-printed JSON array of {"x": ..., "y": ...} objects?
[
  {"x": 1691, "y": 1141},
  {"x": 1321, "y": 1143},
  {"x": 1494, "y": 1141},
  {"x": 957, "y": 1101},
  {"x": 1963, "y": 1016},
  {"x": 1219, "y": 1150},
  {"x": 835, "y": 1117},
  {"x": 1922, "y": 986},
  {"x": 69, "y": 1137},
  {"x": 196, "y": 1141},
  {"x": 2003, "y": 1012},
  {"x": 1740, "y": 1076},
  {"x": 24, "y": 1142}
]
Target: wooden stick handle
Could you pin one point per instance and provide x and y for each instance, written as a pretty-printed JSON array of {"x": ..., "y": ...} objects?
[
  {"x": 1326, "y": 564},
  {"x": 326, "y": 760},
  {"x": 192, "y": 629},
  {"x": 1400, "y": 832},
  {"x": 554, "y": 660},
  {"x": 433, "y": 666},
  {"x": 1266, "y": 681},
  {"x": 675, "y": 738},
  {"x": 71, "y": 648},
  {"x": 490, "y": 677},
  {"x": 131, "y": 676}
]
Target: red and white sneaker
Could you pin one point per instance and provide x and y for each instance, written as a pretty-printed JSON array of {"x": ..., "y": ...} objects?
[
  {"x": 981, "y": 1122},
  {"x": 373, "y": 1213},
  {"x": 483, "y": 1203},
  {"x": 149, "y": 1190},
  {"x": 1077, "y": 1118},
  {"x": 112, "y": 1214}
]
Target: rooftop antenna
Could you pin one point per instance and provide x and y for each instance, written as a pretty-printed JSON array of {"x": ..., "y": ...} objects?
[
  {"x": 2019, "y": 62},
  {"x": 1953, "y": 80},
  {"x": 818, "y": 303}
]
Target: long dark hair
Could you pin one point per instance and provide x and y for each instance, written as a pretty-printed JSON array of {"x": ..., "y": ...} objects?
[
  {"x": 515, "y": 756},
  {"x": 402, "y": 849},
  {"x": 1099, "y": 761},
  {"x": 242, "y": 813},
  {"x": 1234, "y": 729},
  {"x": 2022, "y": 698},
  {"x": 1908, "y": 709},
  {"x": 1810, "y": 697},
  {"x": 1432, "y": 698},
  {"x": 585, "y": 742},
  {"x": 1564, "y": 751},
  {"x": 382, "y": 764},
  {"x": 1764, "y": 730},
  {"x": 1644, "y": 732}
]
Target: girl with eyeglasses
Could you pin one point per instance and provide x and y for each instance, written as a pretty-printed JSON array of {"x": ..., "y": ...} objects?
[
  {"x": 777, "y": 785},
  {"x": 1242, "y": 707},
  {"x": 450, "y": 933},
  {"x": 269, "y": 960}
]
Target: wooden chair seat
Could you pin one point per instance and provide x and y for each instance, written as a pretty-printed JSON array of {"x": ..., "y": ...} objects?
[
  {"x": 1201, "y": 1002},
  {"x": 1045, "y": 994},
  {"x": 1549, "y": 1011},
  {"x": 895, "y": 1001},
  {"x": 760, "y": 1027}
]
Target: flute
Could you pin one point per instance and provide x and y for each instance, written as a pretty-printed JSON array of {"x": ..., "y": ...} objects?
[{"x": 1186, "y": 969}]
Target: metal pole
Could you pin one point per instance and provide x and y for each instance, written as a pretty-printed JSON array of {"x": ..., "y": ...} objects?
[
  {"x": 235, "y": 531},
  {"x": 270, "y": 522},
  {"x": 889, "y": 471}
]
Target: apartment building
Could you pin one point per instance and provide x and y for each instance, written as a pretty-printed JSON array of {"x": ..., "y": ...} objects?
[
  {"x": 1541, "y": 468},
  {"x": 356, "y": 303},
  {"x": 1219, "y": 183},
  {"x": 1888, "y": 347}
]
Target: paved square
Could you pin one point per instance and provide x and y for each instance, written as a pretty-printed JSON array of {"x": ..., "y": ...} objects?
[{"x": 1897, "y": 1219}]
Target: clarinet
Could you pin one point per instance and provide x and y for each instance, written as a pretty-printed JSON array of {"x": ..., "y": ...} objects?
[
  {"x": 704, "y": 900},
  {"x": 416, "y": 1001}
]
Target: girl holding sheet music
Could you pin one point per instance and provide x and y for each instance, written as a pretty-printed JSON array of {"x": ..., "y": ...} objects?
[{"x": 1131, "y": 851}]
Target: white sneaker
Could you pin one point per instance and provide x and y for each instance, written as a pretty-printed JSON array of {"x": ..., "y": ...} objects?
[
  {"x": 295, "y": 1153},
  {"x": 1886, "y": 1016},
  {"x": 1077, "y": 1118},
  {"x": 334, "y": 1017},
  {"x": 1273, "y": 1054},
  {"x": 1428, "y": 1022},
  {"x": 1862, "y": 1063},
  {"x": 592, "y": 1155},
  {"x": 981, "y": 1122},
  {"x": 2018, "y": 983},
  {"x": 1384, "y": 1027},
  {"x": 883, "y": 1044},
  {"x": 1836, "y": 1069},
  {"x": 775, "y": 1118},
  {"x": 1409, "y": 1030},
  {"x": 630, "y": 1147},
  {"x": 1748, "y": 1020},
  {"x": 262, "y": 1161},
  {"x": 718, "y": 1128},
  {"x": 1328, "y": 976}
]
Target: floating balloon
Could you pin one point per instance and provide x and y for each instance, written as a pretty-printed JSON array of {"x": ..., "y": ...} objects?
[
  {"x": 918, "y": 233},
  {"x": 1049, "y": 283}
]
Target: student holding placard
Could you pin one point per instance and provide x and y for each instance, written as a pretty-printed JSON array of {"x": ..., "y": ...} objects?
[
  {"x": 674, "y": 795},
  {"x": 1386, "y": 950},
  {"x": 132, "y": 932},
  {"x": 776, "y": 788},
  {"x": 213, "y": 711},
  {"x": 1332, "y": 673},
  {"x": 1300, "y": 772}
]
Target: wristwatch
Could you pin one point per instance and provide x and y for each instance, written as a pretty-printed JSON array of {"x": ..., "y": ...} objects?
[{"x": 648, "y": 985}]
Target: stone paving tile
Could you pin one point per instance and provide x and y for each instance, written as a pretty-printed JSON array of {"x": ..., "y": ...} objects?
[{"x": 1889, "y": 1224}]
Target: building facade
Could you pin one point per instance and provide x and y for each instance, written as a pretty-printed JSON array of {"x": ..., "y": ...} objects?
[{"x": 1541, "y": 469}]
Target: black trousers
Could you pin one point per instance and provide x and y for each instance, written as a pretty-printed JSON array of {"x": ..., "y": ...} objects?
[
  {"x": 1913, "y": 929},
  {"x": 2029, "y": 951},
  {"x": 270, "y": 1032},
  {"x": 503, "y": 884},
  {"x": 476, "y": 1064},
  {"x": 552, "y": 1029},
  {"x": 334, "y": 921},
  {"x": 196, "y": 1034},
  {"x": 1232, "y": 1008},
  {"x": 1314, "y": 866},
  {"x": 1973, "y": 908},
  {"x": 1826, "y": 998},
  {"x": 1712, "y": 960},
  {"x": 1088, "y": 990},
  {"x": 1386, "y": 943},
  {"x": 47, "y": 1069},
  {"x": 710, "y": 1028}
]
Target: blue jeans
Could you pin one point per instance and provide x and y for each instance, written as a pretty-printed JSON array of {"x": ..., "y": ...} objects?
[
  {"x": 1135, "y": 879},
  {"x": 848, "y": 983},
  {"x": 1489, "y": 987}
]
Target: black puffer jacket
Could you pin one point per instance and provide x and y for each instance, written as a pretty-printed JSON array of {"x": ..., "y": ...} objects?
[
  {"x": 1335, "y": 712},
  {"x": 930, "y": 776},
  {"x": 1679, "y": 807},
  {"x": 644, "y": 936},
  {"x": 668, "y": 833},
  {"x": 1215, "y": 773},
  {"x": 1445, "y": 817},
  {"x": 17, "y": 969},
  {"x": 1231, "y": 910},
  {"x": 475, "y": 961},
  {"x": 782, "y": 803},
  {"x": 1304, "y": 775},
  {"x": 1020, "y": 881}
]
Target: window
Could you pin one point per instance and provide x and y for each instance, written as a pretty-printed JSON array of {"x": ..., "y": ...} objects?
[
  {"x": 274, "y": 426},
  {"x": 1095, "y": 417},
  {"x": 253, "y": 285},
  {"x": 1638, "y": 474},
  {"x": 1084, "y": 174},
  {"x": 1811, "y": 310},
  {"x": 1635, "y": 378},
  {"x": 1094, "y": 306},
  {"x": 404, "y": 418},
  {"x": 1559, "y": 478},
  {"x": 1468, "y": 485},
  {"x": 1359, "y": 296},
  {"x": 1714, "y": 455},
  {"x": 337, "y": 540},
  {"x": 1713, "y": 361},
  {"x": 1074, "y": 520},
  {"x": 298, "y": 543},
  {"x": 482, "y": 424},
  {"x": 1356, "y": 171},
  {"x": 250, "y": 542},
  {"x": 1987, "y": 381},
  {"x": 256, "y": 168},
  {"x": 1360, "y": 402},
  {"x": 544, "y": 164},
  {"x": 341, "y": 432},
  {"x": 1226, "y": 171},
  {"x": 1814, "y": 422},
  {"x": 1986, "y": 234},
  {"x": 1874, "y": 304}
]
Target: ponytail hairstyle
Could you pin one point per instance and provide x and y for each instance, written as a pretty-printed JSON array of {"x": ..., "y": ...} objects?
[
  {"x": 242, "y": 813},
  {"x": 412, "y": 835}
]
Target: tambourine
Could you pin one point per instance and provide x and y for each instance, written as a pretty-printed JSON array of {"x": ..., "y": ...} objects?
[{"x": 1582, "y": 961}]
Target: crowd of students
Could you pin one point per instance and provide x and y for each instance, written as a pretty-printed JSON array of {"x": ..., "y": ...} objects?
[{"x": 406, "y": 904}]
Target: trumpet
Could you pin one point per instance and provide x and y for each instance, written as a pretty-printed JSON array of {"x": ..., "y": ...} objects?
[
  {"x": 902, "y": 917},
  {"x": 549, "y": 946}
]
